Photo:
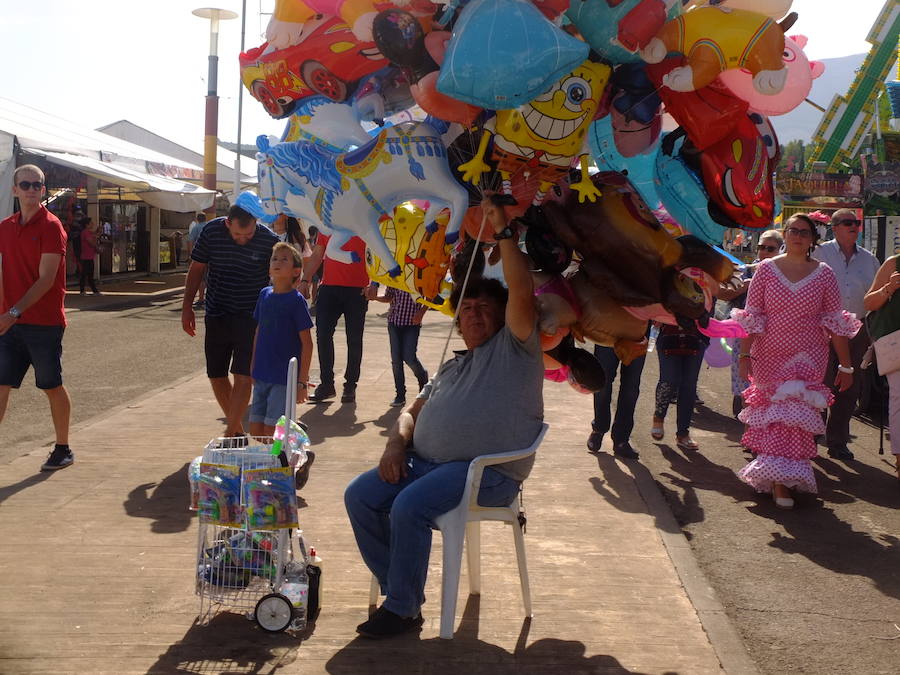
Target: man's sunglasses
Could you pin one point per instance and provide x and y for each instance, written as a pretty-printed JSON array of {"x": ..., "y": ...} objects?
[
  {"x": 766, "y": 247},
  {"x": 30, "y": 184},
  {"x": 849, "y": 222}
]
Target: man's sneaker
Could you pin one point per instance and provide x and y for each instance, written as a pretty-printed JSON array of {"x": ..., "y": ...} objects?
[
  {"x": 302, "y": 475},
  {"x": 840, "y": 452},
  {"x": 384, "y": 623},
  {"x": 594, "y": 441},
  {"x": 625, "y": 451},
  {"x": 322, "y": 393},
  {"x": 349, "y": 395},
  {"x": 398, "y": 401},
  {"x": 59, "y": 458}
]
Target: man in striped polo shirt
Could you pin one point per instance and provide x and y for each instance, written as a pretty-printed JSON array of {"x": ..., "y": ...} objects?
[{"x": 234, "y": 254}]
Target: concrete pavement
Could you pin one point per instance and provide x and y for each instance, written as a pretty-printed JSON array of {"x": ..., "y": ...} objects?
[{"x": 99, "y": 558}]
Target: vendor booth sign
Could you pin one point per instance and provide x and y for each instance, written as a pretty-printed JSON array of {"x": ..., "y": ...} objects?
[{"x": 883, "y": 179}]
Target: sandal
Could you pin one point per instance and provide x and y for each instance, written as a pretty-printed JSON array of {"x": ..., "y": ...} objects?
[
  {"x": 783, "y": 503},
  {"x": 686, "y": 443},
  {"x": 656, "y": 431}
]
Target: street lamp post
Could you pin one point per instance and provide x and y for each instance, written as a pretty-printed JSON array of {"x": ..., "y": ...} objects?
[{"x": 211, "y": 129}]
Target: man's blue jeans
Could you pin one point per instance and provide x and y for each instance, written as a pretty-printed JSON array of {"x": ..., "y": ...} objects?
[
  {"x": 393, "y": 522},
  {"x": 629, "y": 390}
]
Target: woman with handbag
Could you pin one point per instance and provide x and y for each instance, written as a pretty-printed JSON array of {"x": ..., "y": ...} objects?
[
  {"x": 793, "y": 308},
  {"x": 883, "y": 305},
  {"x": 680, "y": 357}
]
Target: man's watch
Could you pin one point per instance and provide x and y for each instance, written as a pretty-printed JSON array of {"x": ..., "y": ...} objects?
[
  {"x": 506, "y": 233},
  {"x": 14, "y": 313}
]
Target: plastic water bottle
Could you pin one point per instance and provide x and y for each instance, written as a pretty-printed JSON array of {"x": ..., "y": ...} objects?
[
  {"x": 651, "y": 341},
  {"x": 295, "y": 587}
]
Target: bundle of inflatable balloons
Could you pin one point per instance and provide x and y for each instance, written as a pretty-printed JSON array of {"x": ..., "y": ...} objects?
[{"x": 402, "y": 115}]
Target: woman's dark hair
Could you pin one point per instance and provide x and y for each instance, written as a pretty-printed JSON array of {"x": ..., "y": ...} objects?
[
  {"x": 812, "y": 228},
  {"x": 295, "y": 234},
  {"x": 480, "y": 287},
  {"x": 85, "y": 221}
]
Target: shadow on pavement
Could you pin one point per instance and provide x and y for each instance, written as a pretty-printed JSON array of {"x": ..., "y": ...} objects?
[
  {"x": 466, "y": 653},
  {"x": 228, "y": 644},
  {"x": 9, "y": 490},
  {"x": 617, "y": 487},
  {"x": 815, "y": 531},
  {"x": 167, "y": 504}
]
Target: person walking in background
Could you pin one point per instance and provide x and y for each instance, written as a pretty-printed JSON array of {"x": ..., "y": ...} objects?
[
  {"x": 89, "y": 245},
  {"x": 404, "y": 324},
  {"x": 769, "y": 246},
  {"x": 316, "y": 278},
  {"x": 33, "y": 281},
  {"x": 793, "y": 306},
  {"x": 629, "y": 390},
  {"x": 192, "y": 236},
  {"x": 282, "y": 333},
  {"x": 233, "y": 252},
  {"x": 287, "y": 229},
  {"x": 855, "y": 269},
  {"x": 884, "y": 304},
  {"x": 680, "y": 357},
  {"x": 344, "y": 292}
]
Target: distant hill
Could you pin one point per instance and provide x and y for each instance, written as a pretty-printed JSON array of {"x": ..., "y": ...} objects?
[{"x": 800, "y": 124}]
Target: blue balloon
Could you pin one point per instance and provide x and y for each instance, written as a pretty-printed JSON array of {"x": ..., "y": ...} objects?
[
  {"x": 505, "y": 53},
  {"x": 638, "y": 169},
  {"x": 600, "y": 24},
  {"x": 683, "y": 195}
]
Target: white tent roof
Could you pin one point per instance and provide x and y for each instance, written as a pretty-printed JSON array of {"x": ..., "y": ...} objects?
[
  {"x": 192, "y": 154},
  {"x": 139, "y": 169}
]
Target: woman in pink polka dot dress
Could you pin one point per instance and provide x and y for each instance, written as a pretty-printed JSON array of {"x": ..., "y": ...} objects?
[{"x": 793, "y": 308}]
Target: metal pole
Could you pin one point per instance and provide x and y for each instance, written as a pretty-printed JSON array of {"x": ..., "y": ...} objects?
[
  {"x": 211, "y": 128},
  {"x": 237, "y": 158},
  {"x": 211, "y": 123}
]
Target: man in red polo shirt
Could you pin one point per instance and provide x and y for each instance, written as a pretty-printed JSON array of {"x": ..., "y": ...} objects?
[
  {"x": 33, "y": 278},
  {"x": 344, "y": 291}
]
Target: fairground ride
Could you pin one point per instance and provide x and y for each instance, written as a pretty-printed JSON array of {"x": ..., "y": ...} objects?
[{"x": 849, "y": 117}]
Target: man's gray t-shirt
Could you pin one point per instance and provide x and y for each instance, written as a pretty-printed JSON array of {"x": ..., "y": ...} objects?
[{"x": 487, "y": 400}]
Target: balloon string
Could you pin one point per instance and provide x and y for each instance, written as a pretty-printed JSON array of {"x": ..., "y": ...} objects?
[{"x": 462, "y": 293}]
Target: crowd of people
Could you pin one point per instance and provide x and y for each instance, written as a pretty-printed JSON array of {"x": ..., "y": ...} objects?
[{"x": 796, "y": 376}]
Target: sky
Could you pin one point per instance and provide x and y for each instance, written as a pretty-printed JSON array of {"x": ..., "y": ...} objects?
[{"x": 94, "y": 62}]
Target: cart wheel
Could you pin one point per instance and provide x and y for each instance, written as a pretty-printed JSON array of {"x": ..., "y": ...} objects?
[{"x": 274, "y": 612}]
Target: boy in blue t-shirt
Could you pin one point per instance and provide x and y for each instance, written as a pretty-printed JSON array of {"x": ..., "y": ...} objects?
[{"x": 282, "y": 332}]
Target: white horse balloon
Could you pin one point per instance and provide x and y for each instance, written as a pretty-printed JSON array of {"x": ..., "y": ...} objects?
[{"x": 347, "y": 194}]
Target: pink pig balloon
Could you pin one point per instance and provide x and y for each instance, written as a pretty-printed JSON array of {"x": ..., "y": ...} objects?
[{"x": 801, "y": 73}]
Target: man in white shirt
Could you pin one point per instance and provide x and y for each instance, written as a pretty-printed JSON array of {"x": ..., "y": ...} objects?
[{"x": 855, "y": 269}]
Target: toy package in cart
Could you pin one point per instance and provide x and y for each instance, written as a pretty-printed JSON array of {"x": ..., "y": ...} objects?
[{"x": 250, "y": 553}]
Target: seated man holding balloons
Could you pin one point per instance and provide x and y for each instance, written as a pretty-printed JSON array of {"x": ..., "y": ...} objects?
[{"x": 487, "y": 399}]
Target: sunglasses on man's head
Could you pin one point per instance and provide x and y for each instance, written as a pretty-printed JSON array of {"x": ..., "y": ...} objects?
[
  {"x": 767, "y": 247},
  {"x": 849, "y": 223},
  {"x": 30, "y": 184}
]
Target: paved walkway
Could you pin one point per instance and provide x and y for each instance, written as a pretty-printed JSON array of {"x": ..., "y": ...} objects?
[{"x": 98, "y": 559}]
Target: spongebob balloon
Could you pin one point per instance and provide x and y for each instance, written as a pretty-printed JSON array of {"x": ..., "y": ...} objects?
[{"x": 540, "y": 139}]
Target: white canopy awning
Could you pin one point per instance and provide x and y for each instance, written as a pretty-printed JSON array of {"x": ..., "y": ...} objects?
[
  {"x": 164, "y": 193},
  {"x": 152, "y": 176}
]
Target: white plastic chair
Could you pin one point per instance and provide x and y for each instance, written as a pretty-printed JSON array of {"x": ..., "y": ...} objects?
[{"x": 464, "y": 523}]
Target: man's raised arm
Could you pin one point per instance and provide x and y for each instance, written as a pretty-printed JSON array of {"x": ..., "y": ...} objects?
[{"x": 520, "y": 310}]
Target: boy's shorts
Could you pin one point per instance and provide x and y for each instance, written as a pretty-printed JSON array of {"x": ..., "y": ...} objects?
[
  {"x": 26, "y": 345},
  {"x": 267, "y": 405}
]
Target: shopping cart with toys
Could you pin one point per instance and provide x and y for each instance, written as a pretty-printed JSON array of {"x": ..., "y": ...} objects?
[{"x": 251, "y": 557}]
